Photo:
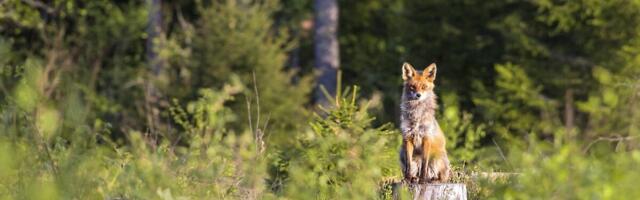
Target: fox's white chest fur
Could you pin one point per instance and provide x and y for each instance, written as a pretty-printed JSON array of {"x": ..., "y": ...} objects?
[{"x": 418, "y": 117}]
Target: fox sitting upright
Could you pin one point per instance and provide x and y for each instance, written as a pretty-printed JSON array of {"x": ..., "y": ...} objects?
[{"x": 423, "y": 155}]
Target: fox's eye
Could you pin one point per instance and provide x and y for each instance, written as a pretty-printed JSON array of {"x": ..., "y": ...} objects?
[
  {"x": 424, "y": 87},
  {"x": 412, "y": 88}
]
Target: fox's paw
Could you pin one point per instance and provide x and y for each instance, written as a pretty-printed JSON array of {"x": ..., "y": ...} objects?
[
  {"x": 410, "y": 179},
  {"x": 423, "y": 178},
  {"x": 423, "y": 181}
]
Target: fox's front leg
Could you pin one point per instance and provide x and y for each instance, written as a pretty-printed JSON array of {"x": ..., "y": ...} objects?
[
  {"x": 426, "y": 154},
  {"x": 444, "y": 172},
  {"x": 407, "y": 144}
]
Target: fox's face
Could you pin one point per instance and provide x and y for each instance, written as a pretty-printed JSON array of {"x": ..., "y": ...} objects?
[{"x": 418, "y": 85}]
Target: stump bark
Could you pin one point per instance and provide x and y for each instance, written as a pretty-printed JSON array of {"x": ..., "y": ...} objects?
[{"x": 436, "y": 191}]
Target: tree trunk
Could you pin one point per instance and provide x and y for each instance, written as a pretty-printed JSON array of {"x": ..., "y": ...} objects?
[
  {"x": 294, "y": 60},
  {"x": 326, "y": 46},
  {"x": 569, "y": 113},
  {"x": 154, "y": 28},
  {"x": 152, "y": 94}
]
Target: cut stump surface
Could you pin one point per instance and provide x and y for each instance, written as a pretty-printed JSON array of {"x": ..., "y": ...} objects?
[{"x": 438, "y": 191}]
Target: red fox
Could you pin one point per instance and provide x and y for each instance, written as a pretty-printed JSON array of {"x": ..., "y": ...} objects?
[{"x": 423, "y": 155}]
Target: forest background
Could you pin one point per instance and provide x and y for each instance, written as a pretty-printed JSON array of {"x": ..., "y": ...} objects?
[{"x": 220, "y": 99}]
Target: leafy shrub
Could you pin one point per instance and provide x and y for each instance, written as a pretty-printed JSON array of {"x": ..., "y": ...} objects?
[
  {"x": 341, "y": 156},
  {"x": 208, "y": 162}
]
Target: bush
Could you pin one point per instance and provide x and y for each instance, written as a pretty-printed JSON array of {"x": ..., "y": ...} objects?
[
  {"x": 208, "y": 162},
  {"x": 342, "y": 156}
]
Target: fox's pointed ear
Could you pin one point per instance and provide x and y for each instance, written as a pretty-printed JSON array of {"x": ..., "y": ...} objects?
[
  {"x": 430, "y": 72},
  {"x": 408, "y": 72}
]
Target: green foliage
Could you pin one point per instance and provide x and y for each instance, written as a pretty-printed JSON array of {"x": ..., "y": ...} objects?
[
  {"x": 342, "y": 156},
  {"x": 209, "y": 163},
  {"x": 544, "y": 90},
  {"x": 238, "y": 37},
  {"x": 463, "y": 136},
  {"x": 514, "y": 104},
  {"x": 564, "y": 173}
]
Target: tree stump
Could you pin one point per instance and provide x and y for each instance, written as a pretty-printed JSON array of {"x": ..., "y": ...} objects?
[{"x": 436, "y": 191}]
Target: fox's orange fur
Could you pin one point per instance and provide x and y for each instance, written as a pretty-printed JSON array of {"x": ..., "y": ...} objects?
[{"x": 423, "y": 155}]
